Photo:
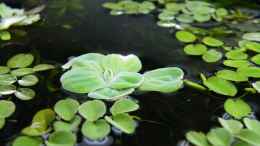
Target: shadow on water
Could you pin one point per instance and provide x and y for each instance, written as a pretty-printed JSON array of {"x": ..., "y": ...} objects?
[{"x": 165, "y": 118}]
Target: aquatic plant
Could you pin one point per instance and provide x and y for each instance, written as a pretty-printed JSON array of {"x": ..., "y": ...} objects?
[
  {"x": 232, "y": 133},
  {"x": 7, "y": 108},
  {"x": 18, "y": 75}
]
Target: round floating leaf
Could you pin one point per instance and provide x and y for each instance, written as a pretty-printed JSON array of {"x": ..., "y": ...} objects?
[
  {"x": 252, "y": 36},
  {"x": 236, "y": 55},
  {"x": 20, "y": 60},
  {"x": 221, "y": 12},
  {"x": 202, "y": 17},
  {"x": 220, "y": 137},
  {"x": 66, "y": 108},
  {"x": 95, "y": 130},
  {"x": 124, "y": 122},
  {"x": 212, "y": 56},
  {"x": 164, "y": 80},
  {"x": 7, "y": 108},
  {"x": 5, "y": 35},
  {"x": 25, "y": 93},
  {"x": 253, "y": 72},
  {"x": 92, "y": 110},
  {"x": 61, "y": 138},
  {"x": 22, "y": 72},
  {"x": 197, "y": 138},
  {"x": 256, "y": 86},
  {"x": 2, "y": 123},
  {"x": 253, "y": 46},
  {"x": 80, "y": 80},
  {"x": 110, "y": 94},
  {"x": 27, "y": 141},
  {"x": 231, "y": 75},
  {"x": 252, "y": 125},
  {"x": 43, "y": 67},
  {"x": 185, "y": 18},
  {"x": 197, "y": 49},
  {"x": 7, "y": 79},
  {"x": 7, "y": 89},
  {"x": 249, "y": 137},
  {"x": 233, "y": 126},
  {"x": 256, "y": 59},
  {"x": 125, "y": 80},
  {"x": 212, "y": 42},
  {"x": 124, "y": 106},
  {"x": 237, "y": 108},
  {"x": 236, "y": 63},
  {"x": 4, "y": 70},
  {"x": 166, "y": 16},
  {"x": 220, "y": 85},
  {"x": 64, "y": 126},
  {"x": 28, "y": 80},
  {"x": 185, "y": 36}
]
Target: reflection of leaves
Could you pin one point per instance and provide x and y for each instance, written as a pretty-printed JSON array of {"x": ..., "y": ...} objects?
[{"x": 62, "y": 7}]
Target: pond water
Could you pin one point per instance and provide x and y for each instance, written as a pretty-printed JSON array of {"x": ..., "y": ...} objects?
[{"x": 165, "y": 117}]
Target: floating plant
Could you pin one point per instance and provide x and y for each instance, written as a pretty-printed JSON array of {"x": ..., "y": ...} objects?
[{"x": 7, "y": 108}]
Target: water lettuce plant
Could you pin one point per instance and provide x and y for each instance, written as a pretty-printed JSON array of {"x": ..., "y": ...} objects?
[{"x": 232, "y": 133}]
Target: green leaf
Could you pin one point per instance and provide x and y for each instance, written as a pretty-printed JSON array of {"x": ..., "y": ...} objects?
[
  {"x": 20, "y": 61},
  {"x": 252, "y": 36},
  {"x": 43, "y": 67},
  {"x": 28, "y": 80},
  {"x": 233, "y": 126},
  {"x": 237, "y": 108},
  {"x": 2, "y": 123},
  {"x": 110, "y": 94},
  {"x": 212, "y": 56},
  {"x": 7, "y": 89},
  {"x": 197, "y": 49},
  {"x": 219, "y": 137},
  {"x": 7, "y": 79},
  {"x": 212, "y": 42},
  {"x": 7, "y": 108},
  {"x": 221, "y": 12},
  {"x": 231, "y": 75},
  {"x": 81, "y": 80},
  {"x": 220, "y": 85},
  {"x": 256, "y": 59},
  {"x": 27, "y": 141},
  {"x": 4, "y": 70},
  {"x": 185, "y": 18},
  {"x": 236, "y": 63},
  {"x": 194, "y": 85},
  {"x": 66, "y": 108},
  {"x": 25, "y": 93},
  {"x": 22, "y": 72},
  {"x": 124, "y": 106},
  {"x": 197, "y": 138},
  {"x": 202, "y": 17},
  {"x": 164, "y": 80},
  {"x": 92, "y": 110},
  {"x": 5, "y": 35},
  {"x": 185, "y": 36},
  {"x": 236, "y": 55},
  {"x": 64, "y": 126},
  {"x": 249, "y": 137},
  {"x": 61, "y": 138},
  {"x": 125, "y": 80},
  {"x": 253, "y": 46},
  {"x": 95, "y": 130},
  {"x": 256, "y": 86},
  {"x": 124, "y": 122},
  {"x": 252, "y": 125},
  {"x": 250, "y": 71}
]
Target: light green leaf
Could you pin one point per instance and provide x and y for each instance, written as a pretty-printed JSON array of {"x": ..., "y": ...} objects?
[
  {"x": 212, "y": 56},
  {"x": 236, "y": 63},
  {"x": 124, "y": 106},
  {"x": 249, "y": 137},
  {"x": 7, "y": 79},
  {"x": 164, "y": 80},
  {"x": 92, "y": 110},
  {"x": 2, "y": 123},
  {"x": 20, "y": 61},
  {"x": 4, "y": 70},
  {"x": 233, "y": 126},
  {"x": 110, "y": 94},
  {"x": 253, "y": 46},
  {"x": 237, "y": 108},
  {"x": 212, "y": 42},
  {"x": 202, "y": 17},
  {"x": 185, "y": 18},
  {"x": 64, "y": 126},
  {"x": 252, "y": 125},
  {"x": 221, "y": 12},
  {"x": 231, "y": 75},
  {"x": 5, "y": 35},
  {"x": 256, "y": 86},
  {"x": 22, "y": 72},
  {"x": 194, "y": 85},
  {"x": 250, "y": 71},
  {"x": 256, "y": 59},
  {"x": 185, "y": 36},
  {"x": 124, "y": 122},
  {"x": 61, "y": 138},
  {"x": 28, "y": 80},
  {"x": 7, "y": 108},
  {"x": 220, "y": 85},
  {"x": 125, "y": 80},
  {"x": 252, "y": 36},
  {"x": 95, "y": 130},
  {"x": 43, "y": 67},
  {"x": 219, "y": 137},
  {"x": 25, "y": 93},
  {"x": 7, "y": 89},
  {"x": 27, "y": 141},
  {"x": 197, "y": 138},
  {"x": 197, "y": 49},
  {"x": 236, "y": 55},
  {"x": 66, "y": 108}
]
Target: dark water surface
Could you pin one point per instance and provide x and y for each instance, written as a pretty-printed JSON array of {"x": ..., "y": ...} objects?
[{"x": 165, "y": 118}]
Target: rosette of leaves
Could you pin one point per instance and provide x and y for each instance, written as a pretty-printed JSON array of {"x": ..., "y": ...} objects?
[
  {"x": 129, "y": 7},
  {"x": 114, "y": 76},
  {"x": 232, "y": 133},
  {"x": 18, "y": 75}
]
